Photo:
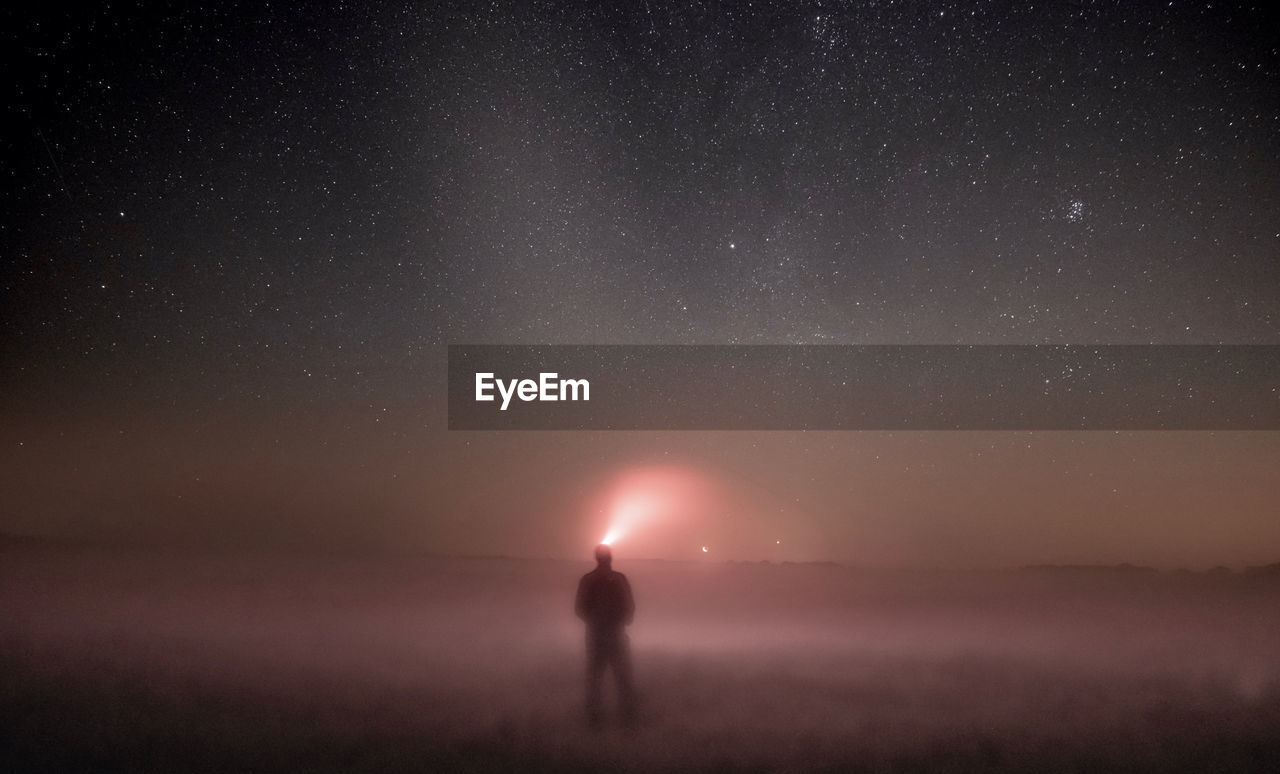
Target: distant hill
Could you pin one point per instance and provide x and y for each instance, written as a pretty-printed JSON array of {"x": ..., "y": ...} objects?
[
  {"x": 1264, "y": 571},
  {"x": 1124, "y": 568}
]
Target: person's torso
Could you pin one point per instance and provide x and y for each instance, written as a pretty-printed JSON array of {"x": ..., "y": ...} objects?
[{"x": 605, "y": 602}]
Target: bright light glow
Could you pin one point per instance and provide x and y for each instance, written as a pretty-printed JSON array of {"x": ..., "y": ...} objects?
[
  {"x": 629, "y": 510},
  {"x": 646, "y": 503},
  {"x": 704, "y": 549}
]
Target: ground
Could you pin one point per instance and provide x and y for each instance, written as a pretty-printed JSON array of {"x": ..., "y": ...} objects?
[{"x": 166, "y": 660}]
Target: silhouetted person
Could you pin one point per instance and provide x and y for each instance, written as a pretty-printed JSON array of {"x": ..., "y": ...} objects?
[{"x": 604, "y": 602}]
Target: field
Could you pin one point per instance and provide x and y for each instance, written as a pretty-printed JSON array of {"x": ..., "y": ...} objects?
[{"x": 133, "y": 659}]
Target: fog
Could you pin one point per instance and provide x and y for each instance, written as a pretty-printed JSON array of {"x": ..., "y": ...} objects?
[{"x": 132, "y": 659}]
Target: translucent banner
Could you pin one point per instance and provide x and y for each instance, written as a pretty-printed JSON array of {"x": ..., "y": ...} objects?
[{"x": 882, "y": 387}]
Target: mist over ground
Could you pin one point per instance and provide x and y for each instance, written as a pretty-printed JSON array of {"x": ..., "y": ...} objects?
[{"x": 133, "y": 659}]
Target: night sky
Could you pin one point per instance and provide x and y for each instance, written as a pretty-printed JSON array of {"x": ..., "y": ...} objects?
[{"x": 236, "y": 239}]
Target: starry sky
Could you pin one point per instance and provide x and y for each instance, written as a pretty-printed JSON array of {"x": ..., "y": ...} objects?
[{"x": 237, "y": 238}]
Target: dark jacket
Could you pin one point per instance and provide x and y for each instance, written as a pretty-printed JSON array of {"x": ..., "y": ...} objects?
[{"x": 604, "y": 600}]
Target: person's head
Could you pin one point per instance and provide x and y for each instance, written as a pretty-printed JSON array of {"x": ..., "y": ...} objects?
[{"x": 604, "y": 555}]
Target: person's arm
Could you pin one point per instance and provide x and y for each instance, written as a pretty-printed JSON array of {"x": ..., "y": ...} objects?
[
  {"x": 580, "y": 601},
  {"x": 628, "y": 603}
]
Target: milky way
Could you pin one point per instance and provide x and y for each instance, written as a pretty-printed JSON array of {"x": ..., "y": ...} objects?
[{"x": 277, "y": 217}]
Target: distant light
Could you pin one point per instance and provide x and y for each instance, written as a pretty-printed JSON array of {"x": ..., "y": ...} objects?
[
  {"x": 779, "y": 542},
  {"x": 704, "y": 549}
]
